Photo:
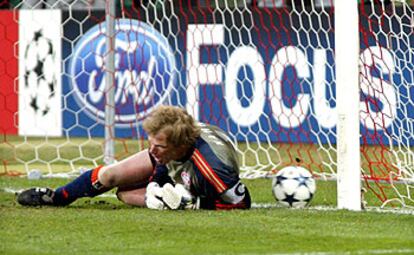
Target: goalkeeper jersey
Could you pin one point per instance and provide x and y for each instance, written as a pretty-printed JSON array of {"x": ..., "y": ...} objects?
[{"x": 210, "y": 171}]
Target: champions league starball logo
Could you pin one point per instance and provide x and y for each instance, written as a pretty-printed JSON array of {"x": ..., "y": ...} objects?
[
  {"x": 144, "y": 71},
  {"x": 39, "y": 76}
]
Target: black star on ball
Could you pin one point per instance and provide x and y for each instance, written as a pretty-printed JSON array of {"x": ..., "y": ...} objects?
[
  {"x": 26, "y": 78},
  {"x": 39, "y": 68},
  {"x": 50, "y": 52},
  {"x": 280, "y": 179},
  {"x": 302, "y": 180},
  {"x": 46, "y": 110},
  {"x": 51, "y": 86},
  {"x": 37, "y": 35},
  {"x": 290, "y": 199},
  {"x": 33, "y": 104}
]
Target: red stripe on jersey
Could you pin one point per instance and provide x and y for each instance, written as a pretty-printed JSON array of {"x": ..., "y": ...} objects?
[{"x": 208, "y": 172}]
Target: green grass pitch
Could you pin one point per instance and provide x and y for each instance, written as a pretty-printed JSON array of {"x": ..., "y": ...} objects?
[{"x": 103, "y": 225}]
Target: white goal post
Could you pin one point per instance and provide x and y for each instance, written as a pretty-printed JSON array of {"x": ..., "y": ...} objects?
[
  {"x": 324, "y": 84},
  {"x": 347, "y": 104}
]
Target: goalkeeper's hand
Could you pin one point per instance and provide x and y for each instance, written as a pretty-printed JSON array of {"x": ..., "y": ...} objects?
[
  {"x": 177, "y": 197},
  {"x": 153, "y": 197}
]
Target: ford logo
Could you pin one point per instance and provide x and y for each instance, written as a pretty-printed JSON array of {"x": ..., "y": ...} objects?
[{"x": 144, "y": 71}]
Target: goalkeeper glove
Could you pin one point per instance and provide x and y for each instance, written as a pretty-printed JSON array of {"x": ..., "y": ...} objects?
[
  {"x": 153, "y": 197},
  {"x": 177, "y": 197}
]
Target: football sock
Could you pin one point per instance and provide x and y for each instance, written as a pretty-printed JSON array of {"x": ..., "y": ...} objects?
[{"x": 86, "y": 185}]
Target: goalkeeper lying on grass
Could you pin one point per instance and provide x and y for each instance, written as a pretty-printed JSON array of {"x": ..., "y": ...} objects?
[{"x": 187, "y": 166}]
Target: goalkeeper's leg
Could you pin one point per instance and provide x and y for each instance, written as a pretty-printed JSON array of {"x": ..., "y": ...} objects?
[
  {"x": 86, "y": 185},
  {"x": 134, "y": 169},
  {"x": 132, "y": 195},
  {"x": 131, "y": 171}
]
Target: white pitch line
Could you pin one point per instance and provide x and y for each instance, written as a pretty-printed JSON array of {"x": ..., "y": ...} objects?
[
  {"x": 330, "y": 208},
  {"x": 273, "y": 205},
  {"x": 15, "y": 191}
]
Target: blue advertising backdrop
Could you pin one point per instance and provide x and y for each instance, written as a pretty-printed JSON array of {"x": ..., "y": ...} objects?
[{"x": 156, "y": 63}]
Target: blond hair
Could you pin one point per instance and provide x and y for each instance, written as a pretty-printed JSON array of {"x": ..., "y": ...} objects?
[{"x": 179, "y": 126}]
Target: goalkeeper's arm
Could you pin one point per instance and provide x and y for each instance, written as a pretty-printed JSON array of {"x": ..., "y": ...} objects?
[{"x": 236, "y": 197}]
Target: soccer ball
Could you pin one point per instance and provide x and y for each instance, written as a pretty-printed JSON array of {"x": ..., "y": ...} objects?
[{"x": 293, "y": 186}]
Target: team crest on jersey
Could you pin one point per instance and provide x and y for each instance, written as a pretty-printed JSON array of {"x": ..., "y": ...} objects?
[{"x": 185, "y": 177}]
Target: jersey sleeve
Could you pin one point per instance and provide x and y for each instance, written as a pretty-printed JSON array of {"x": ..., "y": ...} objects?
[
  {"x": 240, "y": 199},
  {"x": 218, "y": 182}
]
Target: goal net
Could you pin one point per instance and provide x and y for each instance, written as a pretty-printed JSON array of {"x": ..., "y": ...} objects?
[
  {"x": 264, "y": 71},
  {"x": 387, "y": 100}
]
